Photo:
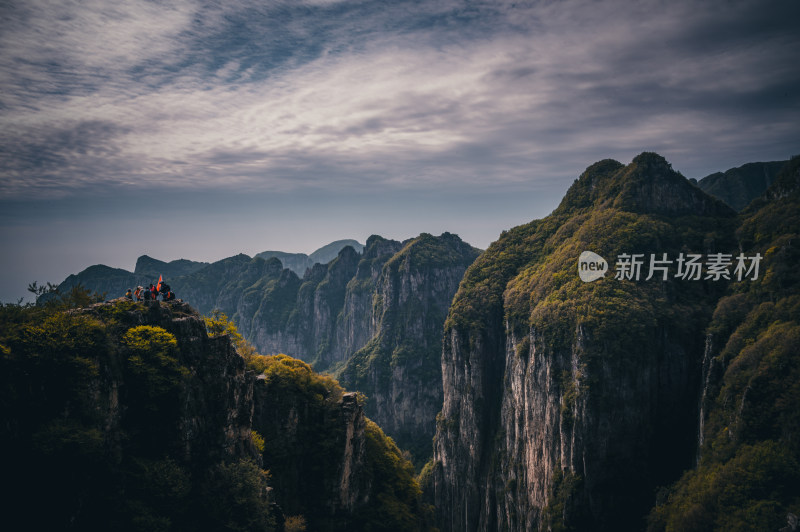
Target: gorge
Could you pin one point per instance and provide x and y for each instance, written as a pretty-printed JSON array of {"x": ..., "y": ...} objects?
[{"x": 536, "y": 400}]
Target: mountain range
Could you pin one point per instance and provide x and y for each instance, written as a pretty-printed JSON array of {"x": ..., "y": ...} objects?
[
  {"x": 115, "y": 281},
  {"x": 631, "y": 402},
  {"x": 660, "y": 394},
  {"x": 739, "y": 186},
  {"x": 300, "y": 262},
  {"x": 373, "y": 319}
]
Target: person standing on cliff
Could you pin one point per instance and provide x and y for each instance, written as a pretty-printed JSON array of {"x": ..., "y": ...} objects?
[{"x": 164, "y": 290}]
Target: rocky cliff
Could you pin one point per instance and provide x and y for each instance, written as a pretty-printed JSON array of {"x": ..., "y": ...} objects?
[
  {"x": 399, "y": 367},
  {"x": 129, "y": 416},
  {"x": 386, "y": 305},
  {"x": 125, "y": 416},
  {"x": 328, "y": 461},
  {"x": 567, "y": 403},
  {"x": 374, "y": 320}
]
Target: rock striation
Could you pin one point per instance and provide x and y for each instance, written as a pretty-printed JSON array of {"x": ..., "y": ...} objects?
[
  {"x": 567, "y": 403},
  {"x": 399, "y": 366}
]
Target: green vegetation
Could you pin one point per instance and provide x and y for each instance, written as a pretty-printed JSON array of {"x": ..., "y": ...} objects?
[
  {"x": 295, "y": 523},
  {"x": 90, "y": 410},
  {"x": 565, "y": 485},
  {"x": 608, "y": 345},
  {"x": 218, "y": 324},
  {"x": 301, "y": 430},
  {"x": 749, "y": 469},
  {"x": 290, "y": 375},
  {"x": 394, "y": 486},
  {"x": 304, "y": 419}
]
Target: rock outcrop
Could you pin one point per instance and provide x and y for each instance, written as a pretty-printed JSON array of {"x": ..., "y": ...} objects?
[
  {"x": 399, "y": 367},
  {"x": 144, "y": 422},
  {"x": 125, "y": 415},
  {"x": 567, "y": 403}
]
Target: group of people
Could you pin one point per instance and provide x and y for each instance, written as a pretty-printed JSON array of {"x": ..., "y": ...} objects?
[{"x": 151, "y": 293}]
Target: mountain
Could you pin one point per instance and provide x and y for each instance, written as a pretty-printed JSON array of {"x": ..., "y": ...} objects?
[
  {"x": 327, "y": 253},
  {"x": 399, "y": 367},
  {"x": 300, "y": 262},
  {"x": 128, "y": 416},
  {"x": 739, "y": 186},
  {"x": 103, "y": 279},
  {"x": 387, "y": 306},
  {"x": 568, "y": 404},
  {"x": 373, "y": 320},
  {"x": 151, "y": 268},
  {"x": 748, "y": 466},
  {"x": 115, "y": 281}
]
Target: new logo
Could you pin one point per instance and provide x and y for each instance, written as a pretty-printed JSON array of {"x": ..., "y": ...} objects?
[{"x": 591, "y": 266}]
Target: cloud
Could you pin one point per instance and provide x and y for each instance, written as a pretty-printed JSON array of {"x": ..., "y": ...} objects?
[{"x": 281, "y": 96}]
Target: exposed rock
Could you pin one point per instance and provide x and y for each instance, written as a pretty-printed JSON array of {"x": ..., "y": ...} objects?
[
  {"x": 158, "y": 418},
  {"x": 400, "y": 367},
  {"x": 216, "y": 404},
  {"x": 566, "y": 403}
]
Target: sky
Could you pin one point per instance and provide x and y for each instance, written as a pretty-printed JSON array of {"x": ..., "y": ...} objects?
[{"x": 199, "y": 130}]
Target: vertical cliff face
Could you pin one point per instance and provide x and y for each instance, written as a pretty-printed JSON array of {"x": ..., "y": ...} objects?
[
  {"x": 374, "y": 320},
  {"x": 566, "y": 403},
  {"x": 315, "y": 449},
  {"x": 329, "y": 298},
  {"x": 399, "y": 368},
  {"x": 129, "y": 416},
  {"x": 358, "y": 322},
  {"x": 329, "y": 462},
  {"x": 294, "y": 316},
  {"x": 214, "y": 407},
  {"x": 126, "y": 416}
]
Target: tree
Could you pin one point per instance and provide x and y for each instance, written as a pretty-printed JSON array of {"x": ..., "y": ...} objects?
[{"x": 218, "y": 324}]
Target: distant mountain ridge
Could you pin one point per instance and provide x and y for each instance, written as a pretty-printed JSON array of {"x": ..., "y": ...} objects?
[
  {"x": 739, "y": 186},
  {"x": 150, "y": 267},
  {"x": 300, "y": 262},
  {"x": 372, "y": 315},
  {"x": 114, "y": 281}
]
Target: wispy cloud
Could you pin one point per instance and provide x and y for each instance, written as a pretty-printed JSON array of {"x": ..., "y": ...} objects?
[{"x": 283, "y": 95}]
